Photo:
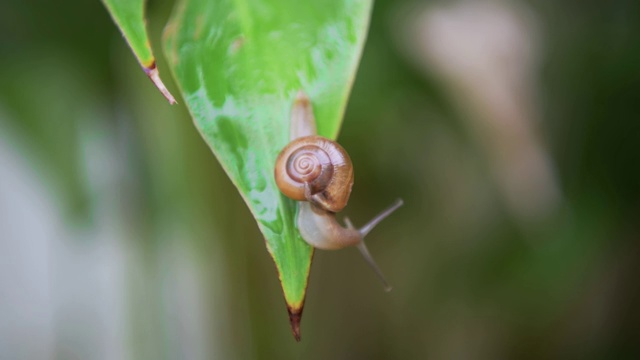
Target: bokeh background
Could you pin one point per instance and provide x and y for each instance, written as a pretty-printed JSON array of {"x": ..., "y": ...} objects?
[{"x": 510, "y": 128}]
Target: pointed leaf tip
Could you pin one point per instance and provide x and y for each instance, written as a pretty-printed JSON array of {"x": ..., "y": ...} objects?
[
  {"x": 128, "y": 15},
  {"x": 295, "y": 316},
  {"x": 154, "y": 75}
]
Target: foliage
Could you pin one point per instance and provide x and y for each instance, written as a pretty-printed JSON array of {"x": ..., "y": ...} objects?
[{"x": 239, "y": 65}]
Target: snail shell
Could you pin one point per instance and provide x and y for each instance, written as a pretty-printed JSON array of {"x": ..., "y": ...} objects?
[{"x": 315, "y": 169}]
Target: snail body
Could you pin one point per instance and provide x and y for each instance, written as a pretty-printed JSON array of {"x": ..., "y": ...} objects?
[
  {"x": 318, "y": 173},
  {"x": 321, "y": 230}
]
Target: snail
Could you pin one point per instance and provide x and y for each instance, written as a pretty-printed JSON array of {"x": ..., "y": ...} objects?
[{"x": 318, "y": 173}]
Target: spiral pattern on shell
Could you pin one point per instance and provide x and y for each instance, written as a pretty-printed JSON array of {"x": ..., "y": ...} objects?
[
  {"x": 322, "y": 164},
  {"x": 310, "y": 164}
]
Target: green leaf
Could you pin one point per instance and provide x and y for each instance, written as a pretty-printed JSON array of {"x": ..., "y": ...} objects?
[
  {"x": 239, "y": 65},
  {"x": 129, "y": 16}
]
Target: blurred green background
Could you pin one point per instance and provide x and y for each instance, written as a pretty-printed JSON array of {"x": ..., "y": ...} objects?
[{"x": 510, "y": 129}]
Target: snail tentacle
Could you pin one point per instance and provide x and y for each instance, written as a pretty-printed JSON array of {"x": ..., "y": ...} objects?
[
  {"x": 364, "y": 251},
  {"x": 378, "y": 218}
]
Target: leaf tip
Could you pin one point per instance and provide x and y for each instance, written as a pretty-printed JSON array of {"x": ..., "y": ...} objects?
[
  {"x": 154, "y": 75},
  {"x": 295, "y": 316}
]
